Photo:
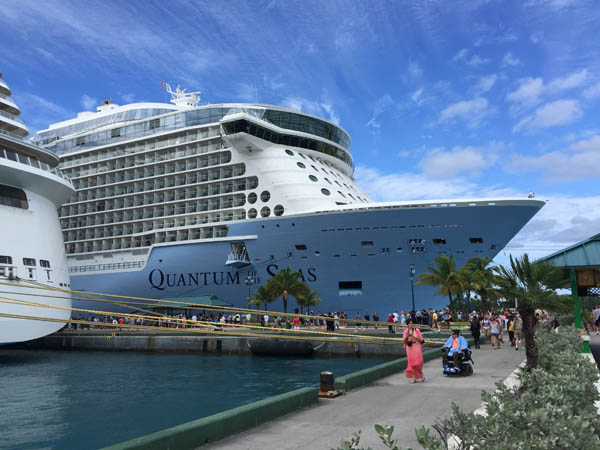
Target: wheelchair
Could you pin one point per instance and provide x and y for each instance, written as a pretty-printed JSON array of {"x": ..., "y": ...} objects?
[{"x": 464, "y": 367}]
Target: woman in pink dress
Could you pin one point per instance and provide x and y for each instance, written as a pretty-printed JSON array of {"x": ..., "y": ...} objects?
[{"x": 413, "y": 343}]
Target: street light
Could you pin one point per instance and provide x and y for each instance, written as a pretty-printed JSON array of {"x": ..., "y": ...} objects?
[
  {"x": 249, "y": 282},
  {"x": 411, "y": 273}
]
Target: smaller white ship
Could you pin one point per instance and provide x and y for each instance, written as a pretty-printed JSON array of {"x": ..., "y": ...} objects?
[{"x": 32, "y": 254}]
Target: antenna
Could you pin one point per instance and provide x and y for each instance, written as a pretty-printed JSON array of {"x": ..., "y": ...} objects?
[{"x": 181, "y": 98}]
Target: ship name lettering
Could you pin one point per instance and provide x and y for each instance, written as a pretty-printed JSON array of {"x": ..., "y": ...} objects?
[
  {"x": 158, "y": 280},
  {"x": 311, "y": 272}
]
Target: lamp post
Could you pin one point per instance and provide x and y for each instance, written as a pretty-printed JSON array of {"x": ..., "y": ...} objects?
[
  {"x": 411, "y": 273},
  {"x": 249, "y": 282}
]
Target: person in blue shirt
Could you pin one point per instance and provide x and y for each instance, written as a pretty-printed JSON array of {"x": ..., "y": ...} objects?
[{"x": 452, "y": 348}]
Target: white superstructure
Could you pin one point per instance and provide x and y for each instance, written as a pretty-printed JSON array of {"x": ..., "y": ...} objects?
[{"x": 31, "y": 245}]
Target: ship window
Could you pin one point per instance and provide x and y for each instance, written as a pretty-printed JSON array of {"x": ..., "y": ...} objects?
[
  {"x": 80, "y": 141},
  {"x": 327, "y": 179},
  {"x": 367, "y": 243},
  {"x": 278, "y": 210},
  {"x": 350, "y": 288},
  {"x": 252, "y": 197},
  {"x": 325, "y": 191},
  {"x": 289, "y": 152},
  {"x": 313, "y": 178},
  {"x": 314, "y": 168},
  {"x": 44, "y": 263},
  {"x": 340, "y": 192},
  {"x": 29, "y": 262},
  {"x": 301, "y": 155},
  {"x": 439, "y": 241},
  {"x": 252, "y": 213},
  {"x": 265, "y": 212},
  {"x": 115, "y": 132},
  {"x": 265, "y": 196},
  {"x": 5, "y": 259},
  {"x": 399, "y": 250},
  {"x": 301, "y": 165},
  {"x": 301, "y": 247},
  {"x": 154, "y": 123},
  {"x": 14, "y": 197},
  {"x": 476, "y": 240}
]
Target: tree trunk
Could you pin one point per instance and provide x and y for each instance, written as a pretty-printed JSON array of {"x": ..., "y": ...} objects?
[
  {"x": 450, "y": 297},
  {"x": 265, "y": 306},
  {"x": 484, "y": 305},
  {"x": 284, "y": 305},
  {"x": 527, "y": 313}
]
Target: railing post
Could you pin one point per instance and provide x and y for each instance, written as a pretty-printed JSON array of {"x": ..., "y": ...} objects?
[{"x": 577, "y": 308}]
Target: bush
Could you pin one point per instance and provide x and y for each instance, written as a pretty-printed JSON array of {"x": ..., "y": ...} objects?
[{"x": 552, "y": 409}]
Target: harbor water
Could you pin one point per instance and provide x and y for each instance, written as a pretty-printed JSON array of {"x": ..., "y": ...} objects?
[{"x": 74, "y": 400}]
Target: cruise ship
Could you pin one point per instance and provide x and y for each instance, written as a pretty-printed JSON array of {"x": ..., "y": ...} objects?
[
  {"x": 184, "y": 199},
  {"x": 32, "y": 252}
]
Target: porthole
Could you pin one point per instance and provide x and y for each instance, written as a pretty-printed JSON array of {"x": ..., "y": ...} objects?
[
  {"x": 289, "y": 152},
  {"x": 325, "y": 191},
  {"x": 301, "y": 155},
  {"x": 278, "y": 210},
  {"x": 327, "y": 179},
  {"x": 252, "y": 213},
  {"x": 314, "y": 168},
  {"x": 313, "y": 178},
  {"x": 265, "y": 196},
  {"x": 252, "y": 197},
  {"x": 301, "y": 165},
  {"x": 265, "y": 212},
  {"x": 342, "y": 194}
]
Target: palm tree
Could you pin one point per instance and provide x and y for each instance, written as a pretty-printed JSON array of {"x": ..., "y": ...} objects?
[
  {"x": 262, "y": 296},
  {"x": 308, "y": 298},
  {"x": 284, "y": 284},
  {"x": 533, "y": 284},
  {"x": 444, "y": 275},
  {"x": 482, "y": 279}
]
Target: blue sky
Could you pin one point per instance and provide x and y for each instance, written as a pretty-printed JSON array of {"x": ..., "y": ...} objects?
[{"x": 443, "y": 99}]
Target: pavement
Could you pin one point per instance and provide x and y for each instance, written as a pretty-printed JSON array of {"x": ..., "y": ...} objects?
[{"x": 389, "y": 401}]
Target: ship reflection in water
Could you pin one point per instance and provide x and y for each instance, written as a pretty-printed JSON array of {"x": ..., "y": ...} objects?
[{"x": 74, "y": 400}]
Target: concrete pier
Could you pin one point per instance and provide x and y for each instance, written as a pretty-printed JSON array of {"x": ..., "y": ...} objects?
[
  {"x": 215, "y": 342},
  {"x": 389, "y": 401}
]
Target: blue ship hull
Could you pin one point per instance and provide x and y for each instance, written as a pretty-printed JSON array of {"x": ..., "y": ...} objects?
[{"x": 358, "y": 260}]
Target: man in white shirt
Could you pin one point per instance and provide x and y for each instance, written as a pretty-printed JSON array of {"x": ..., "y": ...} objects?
[{"x": 266, "y": 320}]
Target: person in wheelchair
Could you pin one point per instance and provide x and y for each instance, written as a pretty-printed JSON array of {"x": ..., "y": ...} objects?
[{"x": 455, "y": 347}]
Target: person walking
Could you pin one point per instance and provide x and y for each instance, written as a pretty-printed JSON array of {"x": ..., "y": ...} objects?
[
  {"x": 485, "y": 326},
  {"x": 511, "y": 330},
  {"x": 413, "y": 344},
  {"x": 495, "y": 330},
  {"x": 518, "y": 326},
  {"x": 476, "y": 330},
  {"x": 390, "y": 322}
]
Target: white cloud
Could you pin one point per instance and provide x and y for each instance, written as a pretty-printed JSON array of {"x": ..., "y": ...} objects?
[
  {"x": 88, "y": 102},
  {"x": 486, "y": 83},
  {"x": 560, "y": 112},
  {"x": 573, "y": 80},
  {"x": 417, "y": 97},
  {"x": 382, "y": 104},
  {"x": 471, "y": 111},
  {"x": 461, "y": 55},
  {"x": 447, "y": 164},
  {"x": 510, "y": 60},
  {"x": 414, "y": 69},
  {"x": 128, "y": 98},
  {"x": 531, "y": 90},
  {"x": 528, "y": 93},
  {"x": 537, "y": 38},
  {"x": 477, "y": 61},
  {"x": 579, "y": 161},
  {"x": 592, "y": 91},
  {"x": 563, "y": 221}
]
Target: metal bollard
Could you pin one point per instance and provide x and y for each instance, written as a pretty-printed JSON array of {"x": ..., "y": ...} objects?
[
  {"x": 327, "y": 389},
  {"x": 327, "y": 382}
]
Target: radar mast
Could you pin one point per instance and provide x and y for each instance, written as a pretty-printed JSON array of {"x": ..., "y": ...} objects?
[{"x": 181, "y": 98}]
